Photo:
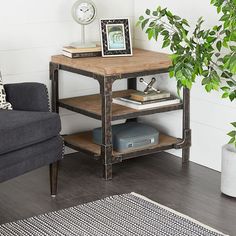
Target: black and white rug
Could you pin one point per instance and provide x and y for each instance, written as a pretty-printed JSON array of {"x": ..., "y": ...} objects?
[{"x": 128, "y": 214}]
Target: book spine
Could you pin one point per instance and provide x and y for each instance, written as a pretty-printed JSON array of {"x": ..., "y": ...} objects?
[
  {"x": 147, "y": 106},
  {"x": 130, "y": 101},
  {"x": 81, "y": 50},
  {"x": 82, "y": 55},
  {"x": 148, "y": 98}
]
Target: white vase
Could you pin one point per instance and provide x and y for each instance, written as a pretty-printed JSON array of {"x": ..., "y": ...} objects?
[{"x": 228, "y": 174}]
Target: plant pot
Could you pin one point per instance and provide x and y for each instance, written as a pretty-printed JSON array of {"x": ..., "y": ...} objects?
[{"x": 228, "y": 174}]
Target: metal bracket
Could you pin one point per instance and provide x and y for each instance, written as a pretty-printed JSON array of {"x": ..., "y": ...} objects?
[
  {"x": 186, "y": 141},
  {"x": 53, "y": 67}
]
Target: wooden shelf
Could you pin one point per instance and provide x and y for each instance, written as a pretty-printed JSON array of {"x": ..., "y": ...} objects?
[
  {"x": 91, "y": 106},
  {"x": 142, "y": 62},
  {"x": 83, "y": 142}
]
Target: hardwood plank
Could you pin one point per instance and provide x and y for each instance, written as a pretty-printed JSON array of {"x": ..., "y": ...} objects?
[
  {"x": 194, "y": 190},
  {"x": 142, "y": 60},
  {"x": 91, "y": 105},
  {"x": 83, "y": 141}
]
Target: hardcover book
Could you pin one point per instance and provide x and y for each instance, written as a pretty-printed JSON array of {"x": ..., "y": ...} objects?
[
  {"x": 141, "y": 96},
  {"x": 71, "y": 49},
  {"x": 129, "y": 102},
  {"x": 82, "y": 54}
]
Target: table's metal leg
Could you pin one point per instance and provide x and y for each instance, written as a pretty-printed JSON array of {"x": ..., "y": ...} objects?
[
  {"x": 53, "y": 168},
  {"x": 54, "y": 70},
  {"x": 186, "y": 126},
  {"x": 106, "y": 148}
]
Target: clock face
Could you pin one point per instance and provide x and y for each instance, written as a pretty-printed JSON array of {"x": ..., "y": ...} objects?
[{"x": 84, "y": 12}]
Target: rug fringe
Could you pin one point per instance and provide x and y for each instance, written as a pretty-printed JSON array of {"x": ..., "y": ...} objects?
[{"x": 177, "y": 213}]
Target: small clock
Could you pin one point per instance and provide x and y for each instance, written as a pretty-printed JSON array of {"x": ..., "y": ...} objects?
[{"x": 84, "y": 12}]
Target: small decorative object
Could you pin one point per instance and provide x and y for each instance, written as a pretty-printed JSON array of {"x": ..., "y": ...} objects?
[
  {"x": 228, "y": 173},
  {"x": 3, "y": 103},
  {"x": 116, "y": 37},
  {"x": 150, "y": 93},
  {"x": 149, "y": 87},
  {"x": 84, "y": 12},
  {"x": 129, "y": 136}
]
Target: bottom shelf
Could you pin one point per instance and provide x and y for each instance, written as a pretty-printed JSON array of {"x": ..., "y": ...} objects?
[{"x": 83, "y": 142}]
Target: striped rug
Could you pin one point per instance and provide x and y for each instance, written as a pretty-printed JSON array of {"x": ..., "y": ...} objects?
[{"x": 128, "y": 214}]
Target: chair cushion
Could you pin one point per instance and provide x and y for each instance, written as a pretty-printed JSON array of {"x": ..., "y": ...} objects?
[
  {"x": 16, "y": 163},
  {"x": 19, "y": 129}
]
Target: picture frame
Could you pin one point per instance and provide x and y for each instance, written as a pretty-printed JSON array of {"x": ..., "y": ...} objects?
[{"x": 116, "y": 37}]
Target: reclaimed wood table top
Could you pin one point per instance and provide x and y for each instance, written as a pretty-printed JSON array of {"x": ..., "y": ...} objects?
[{"x": 142, "y": 60}]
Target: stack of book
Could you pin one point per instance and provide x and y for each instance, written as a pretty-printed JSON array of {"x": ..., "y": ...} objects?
[
  {"x": 141, "y": 101},
  {"x": 74, "y": 52}
]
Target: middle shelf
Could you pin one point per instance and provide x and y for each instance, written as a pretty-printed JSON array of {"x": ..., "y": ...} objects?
[{"x": 90, "y": 105}]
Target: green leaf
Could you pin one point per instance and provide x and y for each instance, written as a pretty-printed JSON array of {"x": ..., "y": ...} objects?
[
  {"x": 232, "y": 96},
  {"x": 219, "y": 45},
  {"x": 155, "y": 13},
  {"x": 144, "y": 23},
  {"x": 208, "y": 88},
  {"x": 141, "y": 18},
  {"x": 168, "y": 13},
  {"x": 232, "y": 140},
  {"x": 212, "y": 33},
  {"x": 211, "y": 39},
  {"x": 232, "y": 133},
  {"x": 166, "y": 43},
  {"x": 171, "y": 74},
  {"x": 224, "y": 17},
  {"x": 225, "y": 44},
  {"x": 185, "y": 22},
  {"x": 225, "y": 89},
  {"x": 225, "y": 95},
  {"x": 150, "y": 34},
  {"x": 205, "y": 81},
  {"x": 205, "y": 73},
  {"x": 148, "y": 12},
  {"x": 138, "y": 23},
  {"x": 234, "y": 124},
  {"x": 232, "y": 64},
  {"x": 177, "y": 18},
  {"x": 230, "y": 83}
]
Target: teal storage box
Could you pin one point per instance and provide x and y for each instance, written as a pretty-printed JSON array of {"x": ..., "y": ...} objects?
[{"x": 129, "y": 136}]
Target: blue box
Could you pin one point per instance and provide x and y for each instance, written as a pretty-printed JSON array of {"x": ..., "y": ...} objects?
[{"x": 129, "y": 136}]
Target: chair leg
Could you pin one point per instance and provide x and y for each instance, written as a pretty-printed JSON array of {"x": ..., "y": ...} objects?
[{"x": 53, "y": 169}]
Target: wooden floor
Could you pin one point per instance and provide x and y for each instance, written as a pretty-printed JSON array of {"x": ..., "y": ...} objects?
[{"x": 193, "y": 190}]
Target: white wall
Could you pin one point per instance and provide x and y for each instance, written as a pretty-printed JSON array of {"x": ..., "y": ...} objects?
[
  {"x": 210, "y": 115},
  {"x": 31, "y": 31}
]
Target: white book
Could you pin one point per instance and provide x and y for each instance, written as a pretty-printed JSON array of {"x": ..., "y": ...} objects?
[{"x": 136, "y": 106}]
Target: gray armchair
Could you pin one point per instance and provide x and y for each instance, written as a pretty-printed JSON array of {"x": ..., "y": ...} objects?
[{"x": 29, "y": 134}]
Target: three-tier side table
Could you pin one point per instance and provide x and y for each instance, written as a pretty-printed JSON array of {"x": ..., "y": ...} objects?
[{"x": 100, "y": 106}]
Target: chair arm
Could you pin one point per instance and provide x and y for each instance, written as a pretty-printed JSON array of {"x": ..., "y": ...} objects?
[{"x": 28, "y": 96}]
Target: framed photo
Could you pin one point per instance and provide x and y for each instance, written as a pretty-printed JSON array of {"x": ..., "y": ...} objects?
[{"x": 116, "y": 37}]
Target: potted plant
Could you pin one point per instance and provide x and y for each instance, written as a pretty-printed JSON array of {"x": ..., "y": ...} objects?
[{"x": 205, "y": 54}]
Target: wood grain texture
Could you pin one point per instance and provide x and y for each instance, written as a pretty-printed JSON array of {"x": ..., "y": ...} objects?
[
  {"x": 142, "y": 60},
  {"x": 91, "y": 105},
  {"x": 84, "y": 141},
  {"x": 194, "y": 191}
]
